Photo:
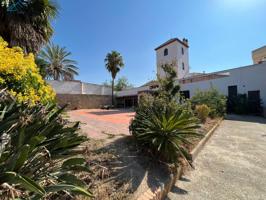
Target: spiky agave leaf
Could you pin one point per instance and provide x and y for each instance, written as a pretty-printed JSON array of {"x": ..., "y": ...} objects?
[
  {"x": 165, "y": 132},
  {"x": 39, "y": 155}
]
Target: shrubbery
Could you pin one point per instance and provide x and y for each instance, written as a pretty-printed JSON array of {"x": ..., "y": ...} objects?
[
  {"x": 202, "y": 112},
  {"x": 20, "y": 75},
  {"x": 213, "y": 99},
  {"x": 164, "y": 123},
  {"x": 164, "y": 129},
  {"x": 38, "y": 158}
]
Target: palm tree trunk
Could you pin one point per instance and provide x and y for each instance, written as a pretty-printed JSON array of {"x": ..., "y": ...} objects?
[{"x": 113, "y": 82}]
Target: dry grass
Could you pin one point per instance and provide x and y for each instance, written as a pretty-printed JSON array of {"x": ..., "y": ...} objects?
[
  {"x": 109, "y": 162},
  {"x": 104, "y": 181}
]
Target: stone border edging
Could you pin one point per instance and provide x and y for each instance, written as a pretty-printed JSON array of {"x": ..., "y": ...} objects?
[
  {"x": 205, "y": 139},
  {"x": 161, "y": 192}
]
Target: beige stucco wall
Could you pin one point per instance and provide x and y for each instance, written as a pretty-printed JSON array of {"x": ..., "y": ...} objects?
[
  {"x": 259, "y": 55},
  {"x": 83, "y": 101}
]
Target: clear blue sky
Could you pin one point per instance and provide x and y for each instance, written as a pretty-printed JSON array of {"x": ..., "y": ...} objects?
[{"x": 221, "y": 33}]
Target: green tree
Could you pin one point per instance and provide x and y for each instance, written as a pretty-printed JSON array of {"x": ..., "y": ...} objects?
[
  {"x": 27, "y": 23},
  {"x": 122, "y": 83},
  {"x": 168, "y": 89},
  {"x": 54, "y": 60},
  {"x": 113, "y": 63}
]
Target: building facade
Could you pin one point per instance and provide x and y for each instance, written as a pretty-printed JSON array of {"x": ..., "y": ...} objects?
[{"x": 248, "y": 80}]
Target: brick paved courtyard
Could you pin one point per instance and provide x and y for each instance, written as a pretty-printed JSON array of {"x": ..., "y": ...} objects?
[{"x": 99, "y": 124}]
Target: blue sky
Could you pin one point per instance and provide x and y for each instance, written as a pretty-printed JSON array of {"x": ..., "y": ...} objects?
[{"x": 221, "y": 33}]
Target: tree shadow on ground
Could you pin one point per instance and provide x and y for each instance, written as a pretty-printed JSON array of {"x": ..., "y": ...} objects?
[
  {"x": 184, "y": 179},
  {"x": 246, "y": 118},
  {"x": 178, "y": 190},
  {"x": 111, "y": 112},
  {"x": 132, "y": 166}
]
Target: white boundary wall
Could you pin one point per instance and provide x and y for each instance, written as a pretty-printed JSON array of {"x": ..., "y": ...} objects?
[{"x": 78, "y": 87}]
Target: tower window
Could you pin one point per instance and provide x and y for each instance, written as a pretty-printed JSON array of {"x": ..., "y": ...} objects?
[
  {"x": 183, "y": 51},
  {"x": 183, "y": 66},
  {"x": 165, "y": 53}
]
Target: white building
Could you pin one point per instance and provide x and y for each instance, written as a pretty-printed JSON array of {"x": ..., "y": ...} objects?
[
  {"x": 249, "y": 80},
  {"x": 174, "y": 52}
]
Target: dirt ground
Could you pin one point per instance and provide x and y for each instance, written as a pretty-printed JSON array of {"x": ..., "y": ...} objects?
[
  {"x": 101, "y": 124},
  {"x": 120, "y": 170}
]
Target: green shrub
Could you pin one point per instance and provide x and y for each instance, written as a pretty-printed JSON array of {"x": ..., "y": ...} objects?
[
  {"x": 213, "y": 99},
  {"x": 202, "y": 112},
  {"x": 164, "y": 122},
  {"x": 38, "y": 158},
  {"x": 20, "y": 76},
  {"x": 165, "y": 130}
]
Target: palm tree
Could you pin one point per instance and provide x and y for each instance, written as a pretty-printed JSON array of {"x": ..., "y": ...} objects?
[
  {"x": 54, "y": 59},
  {"x": 113, "y": 63},
  {"x": 27, "y": 23}
]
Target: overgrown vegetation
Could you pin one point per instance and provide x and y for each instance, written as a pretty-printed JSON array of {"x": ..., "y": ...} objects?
[
  {"x": 164, "y": 123},
  {"x": 20, "y": 75},
  {"x": 38, "y": 155},
  {"x": 213, "y": 99},
  {"x": 202, "y": 112}
]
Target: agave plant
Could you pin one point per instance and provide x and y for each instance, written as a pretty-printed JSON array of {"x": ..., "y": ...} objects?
[
  {"x": 38, "y": 154},
  {"x": 165, "y": 131}
]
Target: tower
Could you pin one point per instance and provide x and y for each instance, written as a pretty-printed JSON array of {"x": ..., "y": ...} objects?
[
  {"x": 174, "y": 52},
  {"x": 259, "y": 55}
]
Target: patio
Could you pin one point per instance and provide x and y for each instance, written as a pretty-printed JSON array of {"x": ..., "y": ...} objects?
[{"x": 101, "y": 124}]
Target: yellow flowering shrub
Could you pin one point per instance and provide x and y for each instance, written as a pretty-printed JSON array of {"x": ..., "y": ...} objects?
[{"x": 20, "y": 75}]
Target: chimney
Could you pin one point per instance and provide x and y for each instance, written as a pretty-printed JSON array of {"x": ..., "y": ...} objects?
[{"x": 185, "y": 41}]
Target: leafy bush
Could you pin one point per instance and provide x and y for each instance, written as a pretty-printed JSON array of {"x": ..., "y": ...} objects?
[
  {"x": 38, "y": 158},
  {"x": 20, "y": 75},
  {"x": 213, "y": 99},
  {"x": 164, "y": 122},
  {"x": 164, "y": 130},
  {"x": 202, "y": 112}
]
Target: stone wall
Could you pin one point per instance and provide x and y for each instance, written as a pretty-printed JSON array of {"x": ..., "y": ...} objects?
[{"x": 83, "y": 101}]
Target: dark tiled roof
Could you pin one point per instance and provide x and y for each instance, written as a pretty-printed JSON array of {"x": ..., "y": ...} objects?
[{"x": 170, "y": 41}]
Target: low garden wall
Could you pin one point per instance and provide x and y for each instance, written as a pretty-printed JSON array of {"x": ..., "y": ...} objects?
[{"x": 83, "y": 101}]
